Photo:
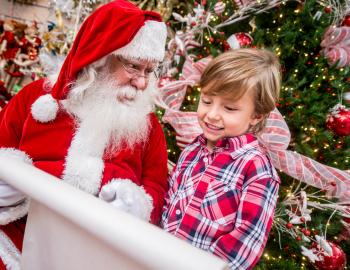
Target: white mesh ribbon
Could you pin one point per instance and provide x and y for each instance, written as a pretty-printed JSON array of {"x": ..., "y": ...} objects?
[
  {"x": 173, "y": 93},
  {"x": 276, "y": 137},
  {"x": 336, "y": 46}
]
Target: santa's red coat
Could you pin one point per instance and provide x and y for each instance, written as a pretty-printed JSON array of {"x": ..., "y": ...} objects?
[{"x": 48, "y": 143}]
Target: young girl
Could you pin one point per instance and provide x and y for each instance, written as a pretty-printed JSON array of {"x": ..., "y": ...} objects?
[{"x": 223, "y": 190}]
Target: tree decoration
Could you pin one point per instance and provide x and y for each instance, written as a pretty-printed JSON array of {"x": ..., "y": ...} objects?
[
  {"x": 76, "y": 10},
  {"x": 328, "y": 9},
  {"x": 339, "y": 10},
  {"x": 336, "y": 46},
  {"x": 239, "y": 40},
  {"x": 330, "y": 258},
  {"x": 219, "y": 8},
  {"x": 19, "y": 49},
  {"x": 346, "y": 21},
  {"x": 338, "y": 120}
]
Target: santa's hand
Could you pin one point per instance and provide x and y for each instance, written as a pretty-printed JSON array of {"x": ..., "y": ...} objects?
[{"x": 125, "y": 195}]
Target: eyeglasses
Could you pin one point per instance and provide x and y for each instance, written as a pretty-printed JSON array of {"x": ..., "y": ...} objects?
[{"x": 135, "y": 69}]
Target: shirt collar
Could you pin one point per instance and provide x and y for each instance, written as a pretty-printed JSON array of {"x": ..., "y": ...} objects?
[{"x": 235, "y": 145}]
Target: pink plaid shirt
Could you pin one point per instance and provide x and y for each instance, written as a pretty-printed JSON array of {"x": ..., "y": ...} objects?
[{"x": 223, "y": 201}]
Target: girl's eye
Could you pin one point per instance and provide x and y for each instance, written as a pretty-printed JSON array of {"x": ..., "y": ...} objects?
[
  {"x": 205, "y": 101},
  {"x": 230, "y": 108}
]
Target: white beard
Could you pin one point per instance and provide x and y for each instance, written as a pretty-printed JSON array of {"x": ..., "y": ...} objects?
[
  {"x": 109, "y": 119},
  {"x": 114, "y": 116}
]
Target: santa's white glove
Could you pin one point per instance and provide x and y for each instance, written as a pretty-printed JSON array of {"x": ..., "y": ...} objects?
[
  {"x": 125, "y": 195},
  {"x": 9, "y": 195}
]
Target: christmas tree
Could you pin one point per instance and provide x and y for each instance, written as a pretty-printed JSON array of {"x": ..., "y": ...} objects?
[{"x": 312, "y": 40}]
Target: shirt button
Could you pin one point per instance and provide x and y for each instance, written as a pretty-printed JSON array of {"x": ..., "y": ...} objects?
[
  {"x": 205, "y": 159},
  {"x": 178, "y": 212}
]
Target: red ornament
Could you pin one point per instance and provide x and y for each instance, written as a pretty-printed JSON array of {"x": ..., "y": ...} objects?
[
  {"x": 338, "y": 120},
  {"x": 289, "y": 225},
  {"x": 226, "y": 45},
  {"x": 240, "y": 40},
  {"x": 328, "y": 9},
  {"x": 306, "y": 232},
  {"x": 346, "y": 21},
  {"x": 335, "y": 262}
]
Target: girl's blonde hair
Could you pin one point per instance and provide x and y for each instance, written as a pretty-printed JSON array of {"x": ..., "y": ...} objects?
[{"x": 235, "y": 72}]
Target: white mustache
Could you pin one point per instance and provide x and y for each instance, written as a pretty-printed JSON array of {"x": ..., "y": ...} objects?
[{"x": 127, "y": 93}]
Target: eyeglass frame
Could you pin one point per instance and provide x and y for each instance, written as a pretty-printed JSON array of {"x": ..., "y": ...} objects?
[{"x": 136, "y": 72}]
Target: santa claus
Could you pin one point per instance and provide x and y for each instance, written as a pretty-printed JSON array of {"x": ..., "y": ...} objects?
[{"x": 93, "y": 127}]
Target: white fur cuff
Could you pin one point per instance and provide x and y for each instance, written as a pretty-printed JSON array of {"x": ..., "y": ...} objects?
[
  {"x": 83, "y": 172},
  {"x": 45, "y": 109},
  {"x": 125, "y": 195},
  {"x": 15, "y": 154},
  {"x": 12, "y": 213}
]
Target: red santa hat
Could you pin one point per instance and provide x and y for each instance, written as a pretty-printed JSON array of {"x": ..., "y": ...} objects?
[{"x": 118, "y": 27}]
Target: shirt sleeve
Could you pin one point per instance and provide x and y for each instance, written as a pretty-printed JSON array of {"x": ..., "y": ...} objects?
[{"x": 243, "y": 246}]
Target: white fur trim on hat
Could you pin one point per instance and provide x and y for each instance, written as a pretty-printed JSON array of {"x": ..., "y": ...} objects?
[
  {"x": 148, "y": 43},
  {"x": 15, "y": 154},
  {"x": 45, "y": 108},
  {"x": 125, "y": 195}
]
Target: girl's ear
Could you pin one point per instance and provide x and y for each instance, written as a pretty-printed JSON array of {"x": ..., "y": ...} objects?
[{"x": 256, "y": 119}]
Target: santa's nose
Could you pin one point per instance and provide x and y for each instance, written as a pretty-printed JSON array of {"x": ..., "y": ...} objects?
[{"x": 139, "y": 82}]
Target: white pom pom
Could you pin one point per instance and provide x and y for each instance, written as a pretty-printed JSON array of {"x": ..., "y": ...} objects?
[{"x": 45, "y": 109}]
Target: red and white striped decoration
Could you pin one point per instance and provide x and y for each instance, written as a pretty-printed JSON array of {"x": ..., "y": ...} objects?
[
  {"x": 185, "y": 124},
  {"x": 242, "y": 3},
  {"x": 190, "y": 42},
  {"x": 336, "y": 46},
  {"x": 219, "y": 8}
]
